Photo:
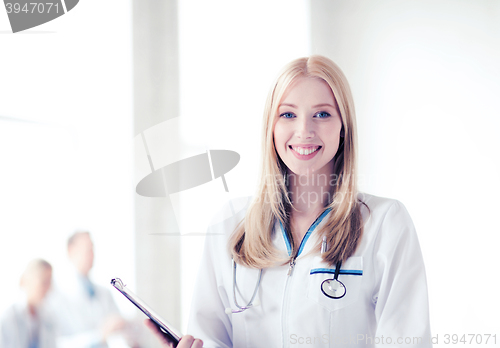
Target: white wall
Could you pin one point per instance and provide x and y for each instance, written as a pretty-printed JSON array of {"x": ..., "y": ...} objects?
[
  {"x": 71, "y": 165},
  {"x": 426, "y": 80}
]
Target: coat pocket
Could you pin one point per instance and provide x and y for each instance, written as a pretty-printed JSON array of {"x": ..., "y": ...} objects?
[{"x": 351, "y": 275}]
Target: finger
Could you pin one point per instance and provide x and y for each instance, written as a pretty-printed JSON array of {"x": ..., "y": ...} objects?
[
  {"x": 159, "y": 335},
  {"x": 150, "y": 325},
  {"x": 197, "y": 343},
  {"x": 186, "y": 341}
]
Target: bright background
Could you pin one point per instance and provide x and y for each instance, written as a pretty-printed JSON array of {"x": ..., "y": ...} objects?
[
  {"x": 424, "y": 75},
  {"x": 66, "y": 143}
]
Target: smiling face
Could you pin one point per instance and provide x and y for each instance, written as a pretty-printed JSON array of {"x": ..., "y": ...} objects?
[{"x": 307, "y": 130}]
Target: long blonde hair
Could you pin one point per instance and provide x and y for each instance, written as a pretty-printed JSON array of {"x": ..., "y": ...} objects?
[{"x": 251, "y": 243}]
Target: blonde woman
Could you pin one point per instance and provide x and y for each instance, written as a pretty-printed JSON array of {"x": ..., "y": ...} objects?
[{"x": 311, "y": 261}]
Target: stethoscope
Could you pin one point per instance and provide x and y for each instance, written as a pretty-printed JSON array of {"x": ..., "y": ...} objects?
[
  {"x": 250, "y": 303},
  {"x": 334, "y": 288},
  {"x": 331, "y": 288}
]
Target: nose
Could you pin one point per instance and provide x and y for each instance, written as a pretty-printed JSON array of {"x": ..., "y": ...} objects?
[{"x": 304, "y": 128}]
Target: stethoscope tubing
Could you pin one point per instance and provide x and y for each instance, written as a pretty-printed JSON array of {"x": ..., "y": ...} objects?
[{"x": 250, "y": 303}]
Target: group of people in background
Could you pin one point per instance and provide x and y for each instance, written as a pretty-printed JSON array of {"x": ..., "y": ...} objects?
[{"x": 77, "y": 313}]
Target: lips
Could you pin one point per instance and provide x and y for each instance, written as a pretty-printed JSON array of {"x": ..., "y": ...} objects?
[
  {"x": 304, "y": 153},
  {"x": 305, "y": 150}
]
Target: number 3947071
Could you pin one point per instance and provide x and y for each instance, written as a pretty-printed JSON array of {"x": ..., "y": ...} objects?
[
  {"x": 470, "y": 339},
  {"x": 32, "y": 7}
]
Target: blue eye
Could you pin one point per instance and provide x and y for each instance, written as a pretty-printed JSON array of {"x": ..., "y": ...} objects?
[
  {"x": 322, "y": 114},
  {"x": 287, "y": 115}
]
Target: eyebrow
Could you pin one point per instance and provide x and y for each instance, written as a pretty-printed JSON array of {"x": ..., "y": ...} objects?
[
  {"x": 314, "y": 106},
  {"x": 325, "y": 104}
]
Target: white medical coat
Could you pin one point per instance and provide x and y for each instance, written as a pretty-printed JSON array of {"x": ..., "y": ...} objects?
[
  {"x": 386, "y": 302},
  {"x": 17, "y": 326},
  {"x": 79, "y": 316}
]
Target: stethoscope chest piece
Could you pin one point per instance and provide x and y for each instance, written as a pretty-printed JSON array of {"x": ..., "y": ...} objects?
[{"x": 334, "y": 288}]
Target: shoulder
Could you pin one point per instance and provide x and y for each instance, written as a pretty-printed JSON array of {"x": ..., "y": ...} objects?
[
  {"x": 386, "y": 222},
  {"x": 222, "y": 226},
  {"x": 382, "y": 208},
  {"x": 9, "y": 313},
  {"x": 102, "y": 290},
  {"x": 13, "y": 314},
  {"x": 10, "y": 322}
]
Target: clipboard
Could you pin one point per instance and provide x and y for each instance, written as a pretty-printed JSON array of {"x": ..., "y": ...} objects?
[{"x": 164, "y": 326}]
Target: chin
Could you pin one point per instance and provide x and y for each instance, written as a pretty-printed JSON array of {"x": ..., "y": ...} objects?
[{"x": 304, "y": 171}]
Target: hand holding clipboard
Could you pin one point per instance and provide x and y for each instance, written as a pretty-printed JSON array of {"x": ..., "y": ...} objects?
[
  {"x": 168, "y": 336},
  {"x": 163, "y": 326}
]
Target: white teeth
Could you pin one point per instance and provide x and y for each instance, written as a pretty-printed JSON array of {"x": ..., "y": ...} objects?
[{"x": 306, "y": 150}]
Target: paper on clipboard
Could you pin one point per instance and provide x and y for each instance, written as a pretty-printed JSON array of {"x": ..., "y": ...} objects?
[{"x": 164, "y": 325}]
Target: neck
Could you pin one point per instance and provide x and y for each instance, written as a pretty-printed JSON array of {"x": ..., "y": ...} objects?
[
  {"x": 310, "y": 194},
  {"x": 81, "y": 271},
  {"x": 32, "y": 308}
]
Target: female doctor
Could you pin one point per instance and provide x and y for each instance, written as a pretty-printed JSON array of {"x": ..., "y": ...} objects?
[{"x": 311, "y": 261}]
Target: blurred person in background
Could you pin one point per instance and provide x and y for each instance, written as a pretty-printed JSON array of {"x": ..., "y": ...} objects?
[
  {"x": 27, "y": 323},
  {"x": 87, "y": 315}
]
